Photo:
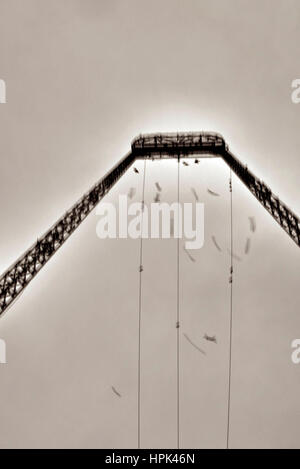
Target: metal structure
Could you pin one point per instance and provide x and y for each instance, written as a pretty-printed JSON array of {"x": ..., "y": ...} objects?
[{"x": 181, "y": 145}]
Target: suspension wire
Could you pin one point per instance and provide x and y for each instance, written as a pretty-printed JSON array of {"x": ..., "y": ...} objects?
[
  {"x": 231, "y": 316},
  {"x": 178, "y": 312},
  {"x": 140, "y": 314}
]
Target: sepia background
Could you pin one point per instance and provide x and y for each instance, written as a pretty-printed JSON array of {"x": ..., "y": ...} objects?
[{"x": 84, "y": 77}]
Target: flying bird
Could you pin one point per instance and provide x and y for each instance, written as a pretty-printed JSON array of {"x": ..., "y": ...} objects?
[
  {"x": 210, "y": 339},
  {"x": 215, "y": 194},
  {"x": 195, "y": 194},
  {"x": 131, "y": 193},
  {"x": 252, "y": 222},
  {"x": 157, "y": 198},
  {"x": 185, "y": 163},
  {"x": 188, "y": 254},
  {"x": 197, "y": 161},
  {"x": 158, "y": 187},
  {"x": 194, "y": 345},
  {"x": 215, "y": 243},
  {"x": 237, "y": 258},
  {"x": 247, "y": 246},
  {"x": 136, "y": 170},
  {"x": 116, "y": 392}
]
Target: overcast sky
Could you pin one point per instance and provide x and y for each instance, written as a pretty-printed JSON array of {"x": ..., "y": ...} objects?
[{"x": 83, "y": 78}]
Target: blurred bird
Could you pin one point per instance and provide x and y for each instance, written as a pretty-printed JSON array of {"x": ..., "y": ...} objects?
[
  {"x": 237, "y": 258},
  {"x": 210, "y": 339},
  {"x": 216, "y": 244},
  {"x": 158, "y": 187},
  {"x": 188, "y": 254},
  {"x": 252, "y": 222},
  {"x": 131, "y": 193},
  {"x": 197, "y": 161},
  {"x": 194, "y": 345},
  {"x": 157, "y": 198},
  {"x": 116, "y": 392},
  {"x": 247, "y": 246},
  {"x": 185, "y": 163},
  {"x": 213, "y": 193},
  {"x": 195, "y": 194},
  {"x": 136, "y": 170}
]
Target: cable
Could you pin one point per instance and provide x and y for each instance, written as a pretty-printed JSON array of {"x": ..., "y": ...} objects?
[
  {"x": 140, "y": 314},
  {"x": 230, "y": 325},
  {"x": 178, "y": 314}
]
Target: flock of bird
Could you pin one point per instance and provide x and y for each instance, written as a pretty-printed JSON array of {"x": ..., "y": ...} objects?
[{"x": 252, "y": 227}]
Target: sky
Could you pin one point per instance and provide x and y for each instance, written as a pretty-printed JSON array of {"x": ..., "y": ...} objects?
[{"x": 83, "y": 79}]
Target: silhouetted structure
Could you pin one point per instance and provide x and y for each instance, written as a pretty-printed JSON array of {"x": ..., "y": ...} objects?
[{"x": 181, "y": 145}]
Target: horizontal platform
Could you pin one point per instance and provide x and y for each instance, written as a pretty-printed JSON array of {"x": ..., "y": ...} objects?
[{"x": 174, "y": 145}]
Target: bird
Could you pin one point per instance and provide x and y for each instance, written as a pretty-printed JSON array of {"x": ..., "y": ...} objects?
[
  {"x": 157, "y": 198},
  {"x": 116, "y": 392},
  {"x": 215, "y": 243},
  {"x": 237, "y": 258},
  {"x": 131, "y": 193},
  {"x": 188, "y": 254},
  {"x": 195, "y": 194},
  {"x": 194, "y": 345},
  {"x": 215, "y": 194},
  {"x": 252, "y": 222},
  {"x": 158, "y": 187},
  {"x": 247, "y": 246},
  {"x": 185, "y": 163},
  {"x": 210, "y": 338},
  {"x": 197, "y": 161},
  {"x": 136, "y": 170}
]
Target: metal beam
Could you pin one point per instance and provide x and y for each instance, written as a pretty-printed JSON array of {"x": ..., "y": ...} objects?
[
  {"x": 23, "y": 271},
  {"x": 284, "y": 216}
]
